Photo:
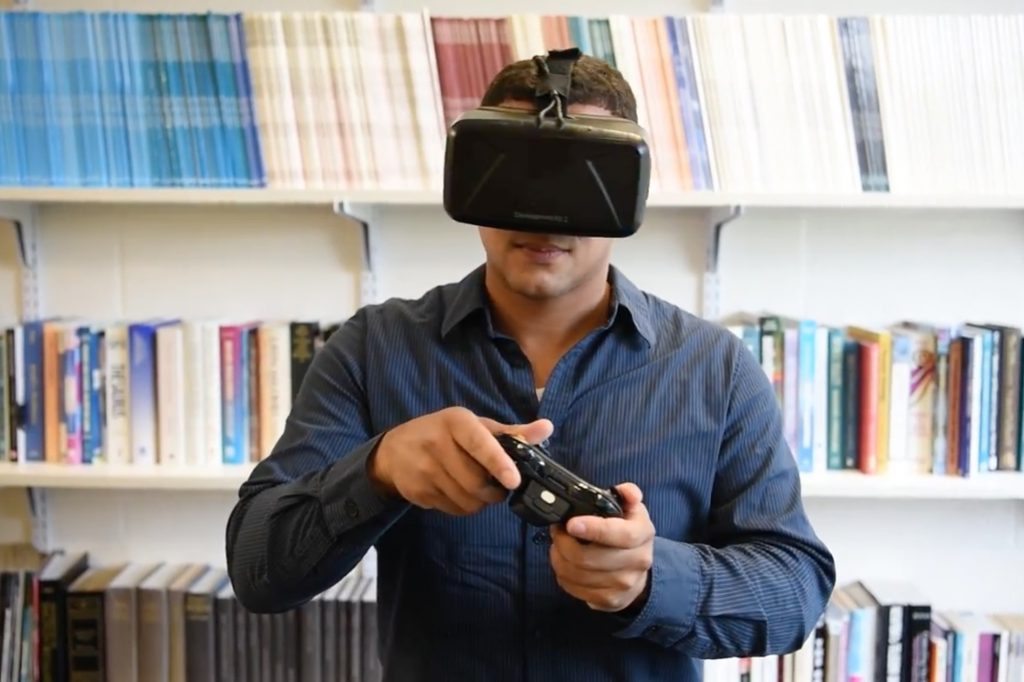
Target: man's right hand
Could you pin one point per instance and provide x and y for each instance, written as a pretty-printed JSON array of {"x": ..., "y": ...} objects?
[{"x": 449, "y": 460}]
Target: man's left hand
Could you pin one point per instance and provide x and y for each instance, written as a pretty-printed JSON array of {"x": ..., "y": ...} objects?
[{"x": 611, "y": 572}]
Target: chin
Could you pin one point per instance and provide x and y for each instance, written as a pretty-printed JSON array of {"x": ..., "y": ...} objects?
[{"x": 539, "y": 286}]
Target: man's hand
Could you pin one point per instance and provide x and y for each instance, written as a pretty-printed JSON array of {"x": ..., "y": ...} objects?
[
  {"x": 611, "y": 572},
  {"x": 450, "y": 460}
]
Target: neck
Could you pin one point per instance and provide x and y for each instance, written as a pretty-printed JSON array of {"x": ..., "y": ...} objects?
[{"x": 549, "y": 325}]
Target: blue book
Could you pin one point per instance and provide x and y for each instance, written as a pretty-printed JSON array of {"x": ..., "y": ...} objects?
[
  {"x": 11, "y": 163},
  {"x": 235, "y": 394},
  {"x": 807, "y": 330},
  {"x": 33, "y": 381},
  {"x": 236, "y": 37},
  {"x": 90, "y": 341},
  {"x": 142, "y": 396}
]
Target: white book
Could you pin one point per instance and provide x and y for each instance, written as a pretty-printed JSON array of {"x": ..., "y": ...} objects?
[
  {"x": 819, "y": 447},
  {"x": 900, "y": 460},
  {"x": 213, "y": 439},
  {"x": 274, "y": 382},
  {"x": 428, "y": 120},
  {"x": 117, "y": 432},
  {"x": 170, "y": 389},
  {"x": 194, "y": 392}
]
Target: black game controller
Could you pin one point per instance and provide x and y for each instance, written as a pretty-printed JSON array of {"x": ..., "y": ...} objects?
[{"x": 550, "y": 493}]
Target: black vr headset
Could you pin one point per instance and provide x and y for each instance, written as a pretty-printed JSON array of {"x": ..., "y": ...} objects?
[{"x": 544, "y": 170}]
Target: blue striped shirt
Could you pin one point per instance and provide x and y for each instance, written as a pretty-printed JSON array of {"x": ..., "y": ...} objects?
[{"x": 655, "y": 396}]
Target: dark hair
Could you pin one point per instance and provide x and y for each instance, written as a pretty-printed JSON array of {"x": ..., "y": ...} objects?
[{"x": 594, "y": 81}]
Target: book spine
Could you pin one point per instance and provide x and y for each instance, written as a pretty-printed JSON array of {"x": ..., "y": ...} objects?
[
  {"x": 142, "y": 412},
  {"x": 116, "y": 436},
  {"x": 836, "y": 341},
  {"x": 86, "y": 637}
]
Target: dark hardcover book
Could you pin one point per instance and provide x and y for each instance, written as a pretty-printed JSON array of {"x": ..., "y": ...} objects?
[
  {"x": 851, "y": 404},
  {"x": 154, "y": 623},
  {"x": 176, "y": 618},
  {"x": 330, "y": 642},
  {"x": 303, "y": 347},
  {"x": 55, "y": 578},
  {"x": 201, "y": 626},
  {"x": 311, "y": 661},
  {"x": 1007, "y": 373},
  {"x": 257, "y": 642},
  {"x": 86, "y": 640},
  {"x": 290, "y": 647},
  {"x": 369, "y": 660},
  {"x": 242, "y": 643},
  {"x": 280, "y": 641},
  {"x": 348, "y": 625},
  {"x": 265, "y": 666},
  {"x": 122, "y": 620},
  {"x": 904, "y": 631},
  {"x": 253, "y": 377},
  {"x": 224, "y": 607}
]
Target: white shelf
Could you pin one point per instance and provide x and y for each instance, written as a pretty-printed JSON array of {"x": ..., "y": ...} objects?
[
  {"x": 115, "y": 477},
  {"x": 991, "y": 486},
  {"x": 327, "y": 197},
  {"x": 986, "y": 486}
]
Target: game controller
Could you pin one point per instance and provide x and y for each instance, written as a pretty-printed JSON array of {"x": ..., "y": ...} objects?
[{"x": 550, "y": 493}]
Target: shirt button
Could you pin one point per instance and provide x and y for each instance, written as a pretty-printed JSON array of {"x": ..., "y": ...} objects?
[
  {"x": 351, "y": 509},
  {"x": 541, "y": 537},
  {"x": 652, "y": 630}
]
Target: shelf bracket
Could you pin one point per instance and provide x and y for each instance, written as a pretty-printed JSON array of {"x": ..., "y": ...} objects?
[
  {"x": 716, "y": 224},
  {"x": 364, "y": 216},
  {"x": 23, "y": 218},
  {"x": 42, "y": 527}
]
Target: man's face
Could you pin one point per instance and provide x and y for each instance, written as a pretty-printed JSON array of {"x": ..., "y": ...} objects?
[{"x": 545, "y": 266}]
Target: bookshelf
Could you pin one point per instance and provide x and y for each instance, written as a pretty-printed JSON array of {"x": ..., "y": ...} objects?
[
  {"x": 994, "y": 487},
  {"x": 850, "y": 258},
  {"x": 41, "y": 196}
]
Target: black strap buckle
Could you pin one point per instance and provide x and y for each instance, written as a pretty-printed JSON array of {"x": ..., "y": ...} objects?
[{"x": 554, "y": 79}]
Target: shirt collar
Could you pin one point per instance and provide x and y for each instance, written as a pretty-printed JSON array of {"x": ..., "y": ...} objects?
[{"x": 470, "y": 297}]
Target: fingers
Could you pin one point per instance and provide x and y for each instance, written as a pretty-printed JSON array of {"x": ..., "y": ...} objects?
[
  {"x": 453, "y": 498},
  {"x": 475, "y": 438},
  {"x": 535, "y": 432},
  {"x": 622, "y": 533},
  {"x": 593, "y": 558},
  {"x": 472, "y": 477}
]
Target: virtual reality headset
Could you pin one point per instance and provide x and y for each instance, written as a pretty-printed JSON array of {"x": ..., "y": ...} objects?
[{"x": 544, "y": 170}]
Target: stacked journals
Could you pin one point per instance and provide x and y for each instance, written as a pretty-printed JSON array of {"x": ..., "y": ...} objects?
[
  {"x": 910, "y": 398},
  {"x": 907, "y": 399},
  {"x": 358, "y": 100},
  {"x": 167, "y": 391},
  {"x": 69, "y": 618}
]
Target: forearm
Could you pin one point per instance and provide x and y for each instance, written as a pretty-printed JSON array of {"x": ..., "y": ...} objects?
[
  {"x": 289, "y": 540},
  {"x": 746, "y": 599}
]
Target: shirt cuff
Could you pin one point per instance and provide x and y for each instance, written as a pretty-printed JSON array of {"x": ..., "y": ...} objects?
[
  {"x": 349, "y": 498},
  {"x": 675, "y": 587}
]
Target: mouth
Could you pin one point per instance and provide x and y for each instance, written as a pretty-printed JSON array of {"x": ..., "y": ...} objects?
[{"x": 541, "y": 247}]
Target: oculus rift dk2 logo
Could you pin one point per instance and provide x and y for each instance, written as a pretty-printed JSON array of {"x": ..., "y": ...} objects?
[{"x": 541, "y": 217}]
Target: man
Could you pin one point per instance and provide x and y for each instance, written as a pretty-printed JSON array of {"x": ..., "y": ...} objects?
[{"x": 390, "y": 444}]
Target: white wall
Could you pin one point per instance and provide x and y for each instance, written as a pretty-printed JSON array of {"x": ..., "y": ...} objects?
[{"x": 840, "y": 266}]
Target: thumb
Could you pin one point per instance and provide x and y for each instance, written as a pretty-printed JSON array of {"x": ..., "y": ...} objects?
[
  {"x": 632, "y": 496},
  {"x": 534, "y": 432}
]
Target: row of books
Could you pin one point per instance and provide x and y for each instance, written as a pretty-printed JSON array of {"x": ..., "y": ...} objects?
[
  {"x": 67, "y": 618},
  {"x": 876, "y": 630},
  {"x": 174, "y": 392},
  {"x": 909, "y": 398},
  {"x": 362, "y": 100}
]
